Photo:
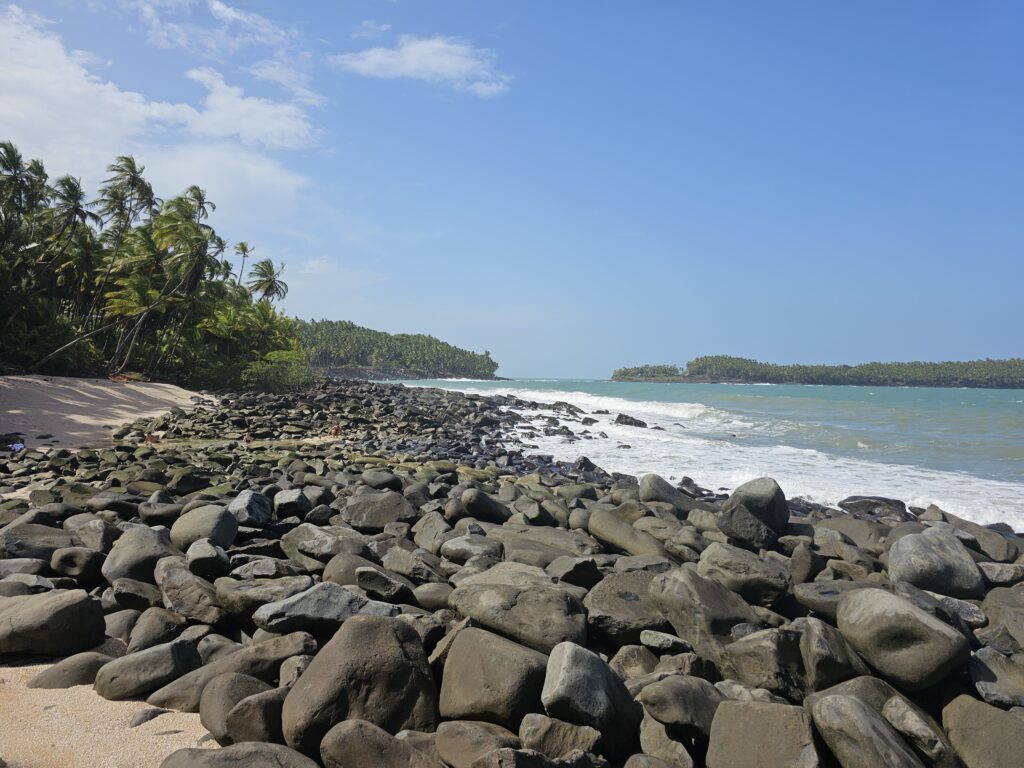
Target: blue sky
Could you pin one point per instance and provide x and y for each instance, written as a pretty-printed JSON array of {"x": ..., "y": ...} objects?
[{"x": 573, "y": 186}]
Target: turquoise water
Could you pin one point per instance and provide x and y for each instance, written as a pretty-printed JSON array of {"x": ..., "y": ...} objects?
[{"x": 960, "y": 448}]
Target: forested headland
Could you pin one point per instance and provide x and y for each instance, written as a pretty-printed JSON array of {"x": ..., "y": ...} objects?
[
  {"x": 127, "y": 283},
  {"x": 348, "y": 349},
  {"x": 992, "y": 374}
]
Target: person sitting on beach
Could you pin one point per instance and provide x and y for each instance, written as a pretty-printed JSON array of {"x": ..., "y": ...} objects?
[{"x": 334, "y": 431}]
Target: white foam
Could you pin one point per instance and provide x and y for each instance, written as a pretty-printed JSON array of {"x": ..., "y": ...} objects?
[{"x": 703, "y": 449}]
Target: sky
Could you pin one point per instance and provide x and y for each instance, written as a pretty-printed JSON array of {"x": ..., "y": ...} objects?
[{"x": 573, "y": 186}]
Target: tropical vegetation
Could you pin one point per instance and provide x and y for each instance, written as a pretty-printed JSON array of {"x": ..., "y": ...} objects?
[
  {"x": 1004, "y": 374},
  {"x": 126, "y": 283},
  {"x": 346, "y": 348}
]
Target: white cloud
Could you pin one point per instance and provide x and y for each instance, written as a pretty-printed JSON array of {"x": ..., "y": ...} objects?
[
  {"x": 290, "y": 74},
  {"x": 227, "y": 112},
  {"x": 370, "y": 29},
  {"x": 446, "y": 60},
  {"x": 170, "y": 24},
  {"x": 56, "y": 109}
]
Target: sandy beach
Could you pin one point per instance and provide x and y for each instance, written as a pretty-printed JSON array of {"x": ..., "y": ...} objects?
[
  {"x": 75, "y": 728},
  {"x": 75, "y": 412}
]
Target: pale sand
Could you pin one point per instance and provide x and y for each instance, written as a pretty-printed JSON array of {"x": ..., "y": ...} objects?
[
  {"x": 77, "y": 728},
  {"x": 80, "y": 412}
]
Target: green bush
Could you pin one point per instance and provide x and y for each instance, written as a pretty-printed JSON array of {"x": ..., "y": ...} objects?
[{"x": 284, "y": 371}]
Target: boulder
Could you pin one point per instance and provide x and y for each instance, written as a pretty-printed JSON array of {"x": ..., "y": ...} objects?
[
  {"x": 608, "y": 527},
  {"x": 248, "y": 755},
  {"x": 135, "y": 554},
  {"x": 489, "y": 678},
  {"x": 360, "y": 744},
  {"x": 537, "y": 617},
  {"x": 702, "y": 611},
  {"x": 764, "y": 499},
  {"x": 252, "y": 509},
  {"x": 56, "y": 623},
  {"x": 79, "y": 669},
  {"x": 580, "y": 688},
  {"x": 557, "y": 738},
  {"x": 262, "y": 660},
  {"x": 983, "y": 736},
  {"x": 373, "y": 669},
  {"x": 754, "y": 734},
  {"x": 147, "y": 670},
  {"x": 758, "y": 581},
  {"x": 208, "y": 522},
  {"x": 685, "y": 705},
  {"x": 257, "y": 717},
  {"x": 619, "y": 608},
  {"x": 936, "y": 561},
  {"x": 321, "y": 609},
  {"x": 460, "y": 743},
  {"x": 910, "y": 647},
  {"x": 371, "y": 512},
  {"x": 221, "y": 695},
  {"x": 858, "y": 736}
]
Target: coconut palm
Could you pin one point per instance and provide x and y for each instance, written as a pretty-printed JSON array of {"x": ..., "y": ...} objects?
[{"x": 266, "y": 281}]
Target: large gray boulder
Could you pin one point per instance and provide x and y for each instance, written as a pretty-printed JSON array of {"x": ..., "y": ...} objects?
[
  {"x": 186, "y": 594},
  {"x": 685, "y": 705},
  {"x": 211, "y": 522},
  {"x": 135, "y": 554},
  {"x": 620, "y": 607},
  {"x": 251, "y": 754},
  {"x": 909, "y": 646},
  {"x": 608, "y": 527},
  {"x": 252, "y": 509},
  {"x": 983, "y": 736},
  {"x": 79, "y": 669},
  {"x": 538, "y": 617},
  {"x": 360, "y": 744},
  {"x": 580, "y": 688},
  {"x": 557, "y": 738},
  {"x": 758, "y": 581},
  {"x": 702, "y": 611},
  {"x": 487, "y": 677},
  {"x": 370, "y": 512},
  {"x": 56, "y": 623},
  {"x": 221, "y": 695},
  {"x": 936, "y": 561},
  {"x": 858, "y": 736},
  {"x": 460, "y": 743},
  {"x": 321, "y": 609},
  {"x": 373, "y": 669},
  {"x": 764, "y": 499},
  {"x": 756, "y": 733},
  {"x": 146, "y": 671},
  {"x": 262, "y": 660}
]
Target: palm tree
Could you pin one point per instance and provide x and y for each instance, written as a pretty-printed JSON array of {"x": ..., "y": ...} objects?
[
  {"x": 242, "y": 249},
  {"x": 266, "y": 281}
]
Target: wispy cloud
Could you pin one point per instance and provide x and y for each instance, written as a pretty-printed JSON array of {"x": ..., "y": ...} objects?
[
  {"x": 444, "y": 60},
  {"x": 370, "y": 29},
  {"x": 291, "y": 73},
  {"x": 57, "y": 109},
  {"x": 218, "y": 33}
]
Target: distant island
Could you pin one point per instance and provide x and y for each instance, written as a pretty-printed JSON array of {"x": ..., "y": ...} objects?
[
  {"x": 347, "y": 350},
  {"x": 988, "y": 374}
]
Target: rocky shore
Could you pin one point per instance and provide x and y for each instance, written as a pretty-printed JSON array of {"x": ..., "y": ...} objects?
[{"x": 371, "y": 575}]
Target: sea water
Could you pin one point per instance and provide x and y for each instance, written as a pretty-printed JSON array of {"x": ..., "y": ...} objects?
[{"x": 962, "y": 449}]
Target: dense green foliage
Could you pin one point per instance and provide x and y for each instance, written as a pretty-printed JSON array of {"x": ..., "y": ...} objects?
[
  {"x": 126, "y": 282},
  {"x": 336, "y": 344},
  {"x": 1008, "y": 374}
]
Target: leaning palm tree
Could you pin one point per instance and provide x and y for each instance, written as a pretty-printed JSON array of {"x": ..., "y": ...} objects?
[{"x": 266, "y": 281}]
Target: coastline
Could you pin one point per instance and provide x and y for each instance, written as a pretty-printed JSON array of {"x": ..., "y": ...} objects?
[
  {"x": 758, "y": 382},
  {"x": 449, "y": 512}
]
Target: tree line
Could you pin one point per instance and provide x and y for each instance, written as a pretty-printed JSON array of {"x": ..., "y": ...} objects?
[
  {"x": 347, "y": 347},
  {"x": 127, "y": 282},
  {"x": 1001, "y": 374}
]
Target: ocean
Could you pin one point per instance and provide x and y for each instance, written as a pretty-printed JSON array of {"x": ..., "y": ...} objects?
[{"x": 962, "y": 449}]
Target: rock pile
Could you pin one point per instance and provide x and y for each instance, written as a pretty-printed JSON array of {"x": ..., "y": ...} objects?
[{"x": 413, "y": 594}]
